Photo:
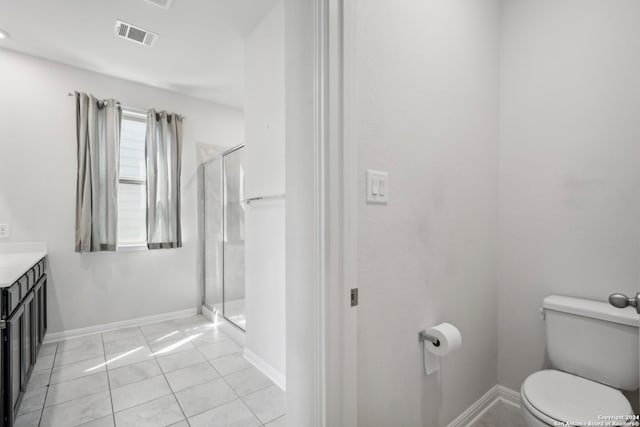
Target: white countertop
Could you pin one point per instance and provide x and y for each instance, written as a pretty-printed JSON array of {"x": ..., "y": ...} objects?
[{"x": 17, "y": 258}]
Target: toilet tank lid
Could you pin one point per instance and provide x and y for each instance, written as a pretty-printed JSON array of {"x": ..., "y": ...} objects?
[{"x": 593, "y": 309}]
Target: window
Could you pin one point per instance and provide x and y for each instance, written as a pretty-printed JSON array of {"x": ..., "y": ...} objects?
[{"x": 132, "y": 190}]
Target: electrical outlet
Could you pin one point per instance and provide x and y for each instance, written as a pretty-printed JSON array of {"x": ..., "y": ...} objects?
[{"x": 4, "y": 231}]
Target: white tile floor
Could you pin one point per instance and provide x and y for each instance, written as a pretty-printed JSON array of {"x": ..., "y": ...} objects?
[
  {"x": 501, "y": 415},
  {"x": 184, "y": 372}
]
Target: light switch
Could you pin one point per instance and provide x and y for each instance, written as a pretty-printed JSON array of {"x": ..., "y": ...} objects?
[
  {"x": 375, "y": 184},
  {"x": 377, "y": 187},
  {"x": 4, "y": 231}
]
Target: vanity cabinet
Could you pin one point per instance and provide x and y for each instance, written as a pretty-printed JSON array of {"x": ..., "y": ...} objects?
[{"x": 24, "y": 325}]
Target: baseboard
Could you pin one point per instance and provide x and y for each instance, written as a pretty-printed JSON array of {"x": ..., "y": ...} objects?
[
  {"x": 273, "y": 374},
  {"x": 74, "y": 333},
  {"x": 474, "y": 412},
  {"x": 477, "y": 409},
  {"x": 509, "y": 396}
]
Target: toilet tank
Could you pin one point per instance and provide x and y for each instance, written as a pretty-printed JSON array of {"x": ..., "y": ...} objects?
[{"x": 593, "y": 340}]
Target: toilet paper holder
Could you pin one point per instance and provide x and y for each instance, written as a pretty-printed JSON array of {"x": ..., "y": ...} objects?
[{"x": 424, "y": 336}]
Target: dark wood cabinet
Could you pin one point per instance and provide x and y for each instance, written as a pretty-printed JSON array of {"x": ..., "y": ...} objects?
[{"x": 24, "y": 324}]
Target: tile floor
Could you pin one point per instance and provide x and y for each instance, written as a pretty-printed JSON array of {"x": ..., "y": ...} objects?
[
  {"x": 501, "y": 415},
  {"x": 184, "y": 372}
]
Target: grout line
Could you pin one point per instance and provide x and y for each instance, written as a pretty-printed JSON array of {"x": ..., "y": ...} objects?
[
  {"x": 78, "y": 361},
  {"x": 106, "y": 368},
  {"x": 155, "y": 358},
  {"x": 75, "y": 378},
  {"x": 167, "y": 381},
  {"x": 114, "y": 369},
  {"x": 221, "y": 377},
  {"x": 231, "y": 387},
  {"x": 230, "y": 373},
  {"x": 270, "y": 384},
  {"x": 275, "y": 419},
  {"x": 251, "y": 410},
  {"x": 75, "y": 398},
  {"x": 61, "y": 382},
  {"x": 48, "y": 382},
  {"x": 144, "y": 403}
]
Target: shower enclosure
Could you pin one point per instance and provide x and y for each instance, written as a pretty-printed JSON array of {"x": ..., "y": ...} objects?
[{"x": 223, "y": 225}]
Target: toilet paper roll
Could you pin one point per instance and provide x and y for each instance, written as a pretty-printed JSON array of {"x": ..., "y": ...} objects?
[{"x": 449, "y": 338}]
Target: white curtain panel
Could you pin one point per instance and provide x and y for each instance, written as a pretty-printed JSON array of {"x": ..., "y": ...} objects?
[
  {"x": 98, "y": 137},
  {"x": 164, "y": 163}
]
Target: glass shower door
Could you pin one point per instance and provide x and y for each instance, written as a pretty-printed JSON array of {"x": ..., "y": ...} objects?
[
  {"x": 212, "y": 203},
  {"x": 233, "y": 296}
]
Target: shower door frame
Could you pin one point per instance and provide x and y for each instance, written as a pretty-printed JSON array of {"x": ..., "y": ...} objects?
[
  {"x": 219, "y": 157},
  {"x": 224, "y": 232}
]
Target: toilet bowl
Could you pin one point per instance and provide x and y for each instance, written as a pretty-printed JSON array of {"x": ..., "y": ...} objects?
[
  {"x": 593, "y": 350},
  {"x": 554, "y": 398}
]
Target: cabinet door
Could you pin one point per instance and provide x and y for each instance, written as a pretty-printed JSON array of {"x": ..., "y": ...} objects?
[
  {"x": 43, "y": 308},
  {"x": 40, "y": 318},
  {"x": 14, "y": 372},
  {"x": 29, "y": 339},
  {"x": 38, "y": 298}
]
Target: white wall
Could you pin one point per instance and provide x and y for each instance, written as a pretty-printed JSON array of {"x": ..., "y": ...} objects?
[
  {"x": 265, "y": 175},
  {"x": 427, "y": 104},
  {"x": 569, "y": 156},
  {"x": 37, "y": 192}
]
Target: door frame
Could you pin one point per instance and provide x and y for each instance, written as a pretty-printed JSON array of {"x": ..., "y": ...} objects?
[
  {"x": 342, "y": 191},
  {"x": 321, "y": 213}
]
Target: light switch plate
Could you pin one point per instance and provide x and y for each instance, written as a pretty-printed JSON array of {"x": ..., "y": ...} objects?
[
  {"x": 377, "y": 187},
  {"x": 4, "y": 231}
]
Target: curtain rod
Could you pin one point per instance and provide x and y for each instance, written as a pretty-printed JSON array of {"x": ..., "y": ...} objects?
[{"x": 133, "y": 109}]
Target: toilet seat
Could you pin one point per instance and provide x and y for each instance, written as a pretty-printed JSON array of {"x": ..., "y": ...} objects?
[
  {"x": 540, "y": 416},
  {"x": 558, "y": 397}
]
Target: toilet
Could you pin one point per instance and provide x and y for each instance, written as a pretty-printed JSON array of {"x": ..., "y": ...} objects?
[{"x": 593, "y": 351}]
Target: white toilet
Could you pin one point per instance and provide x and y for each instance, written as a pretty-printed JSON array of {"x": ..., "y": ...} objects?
[{"x": 593, "y": 349}]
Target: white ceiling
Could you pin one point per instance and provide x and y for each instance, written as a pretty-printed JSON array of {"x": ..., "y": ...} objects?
[{"x": 200, "y": 51}]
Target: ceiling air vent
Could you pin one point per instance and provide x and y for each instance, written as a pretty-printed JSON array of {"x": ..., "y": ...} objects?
[
  {"x": 160, "y": 3},
  {"x": 135, "y": 34}
]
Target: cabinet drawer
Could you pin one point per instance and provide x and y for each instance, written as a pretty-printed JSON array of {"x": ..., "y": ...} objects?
[
  {"x": 25, "y": 282},
  {"x": 13, "y": 295},
  {"x": 31, "y": 280},
  {"x": 41, "y": 269}
]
